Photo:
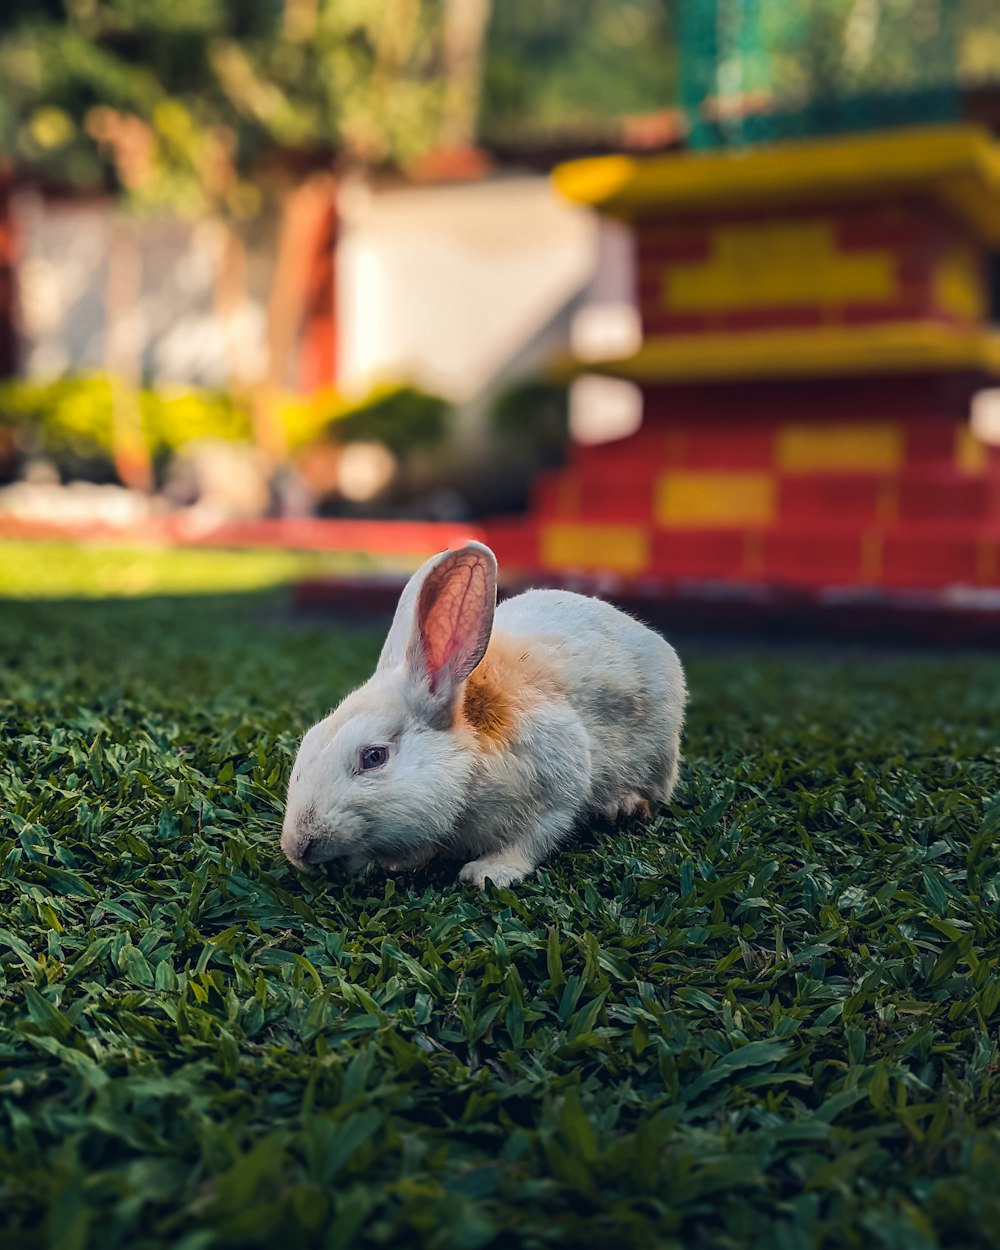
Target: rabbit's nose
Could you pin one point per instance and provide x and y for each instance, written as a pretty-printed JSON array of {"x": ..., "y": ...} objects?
[
  {"x": 308, "y": 851},
  {"x": 298, "y": 835},
  {"x": 299, "y": 846}
]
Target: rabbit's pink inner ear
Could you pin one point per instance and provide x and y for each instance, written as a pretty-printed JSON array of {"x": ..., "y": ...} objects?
[{"x": 455, "y": 616}]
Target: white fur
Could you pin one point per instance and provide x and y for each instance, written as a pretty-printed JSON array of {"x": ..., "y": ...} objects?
[{"x": 601, "y": 738}]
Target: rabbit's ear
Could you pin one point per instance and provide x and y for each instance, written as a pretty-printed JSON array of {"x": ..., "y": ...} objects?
[
  {"x": 394, "y": 647},
  {"x": 452, "y": 626}
]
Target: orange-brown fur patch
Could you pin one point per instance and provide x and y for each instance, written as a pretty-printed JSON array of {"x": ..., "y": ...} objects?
[
  {"x": 486, "y": 708},
  {"x": 507, "y": 682}
]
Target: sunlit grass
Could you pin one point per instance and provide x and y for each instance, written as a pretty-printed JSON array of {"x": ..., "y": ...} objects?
[{"x": 50, "y": 570}]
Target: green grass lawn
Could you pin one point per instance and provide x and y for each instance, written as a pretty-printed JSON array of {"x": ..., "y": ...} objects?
[
  {"x": 768, "y": 1018},
  {"x": 33, "y": 570}
]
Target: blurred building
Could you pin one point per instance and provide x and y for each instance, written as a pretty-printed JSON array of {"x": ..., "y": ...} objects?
[
  {"x": 441, "y": 286},
  {"x": 466, "y": 288}
]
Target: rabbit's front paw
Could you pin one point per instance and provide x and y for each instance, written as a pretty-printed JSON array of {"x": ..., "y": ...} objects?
[
  {"x": 505, "y": 870},
  {"x": 625, "y": 807}
]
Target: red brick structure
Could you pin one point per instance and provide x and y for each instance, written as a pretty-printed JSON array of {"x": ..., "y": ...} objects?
[{"x": 816, "y": 322}]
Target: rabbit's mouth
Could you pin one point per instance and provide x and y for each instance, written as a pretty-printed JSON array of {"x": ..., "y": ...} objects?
[
  {"x": 405, "y": 863},
  {"x": 309, "y": 850}
]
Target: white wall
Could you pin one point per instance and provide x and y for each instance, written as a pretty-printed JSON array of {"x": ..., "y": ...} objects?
[
  {"x": 445, "y": 285},
  {"x": 64, "y": 248}
]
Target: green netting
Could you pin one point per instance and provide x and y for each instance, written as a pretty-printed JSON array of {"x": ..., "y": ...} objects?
[
  {"x": 742, "y": 71},
  {"x": 757, "y": 70}
]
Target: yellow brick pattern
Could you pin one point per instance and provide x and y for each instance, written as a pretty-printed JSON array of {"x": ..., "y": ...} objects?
[
  {"x": 693, "y": 498},
  {"x": 779, "y": 264},
  {"x": 970, "y": 452},
  {"x": 620, "y": 548},
  {"x": 959, "y": 286},
  {"x": 841, "y": 448}
]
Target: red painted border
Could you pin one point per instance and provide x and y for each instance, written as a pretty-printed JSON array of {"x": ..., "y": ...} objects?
[{"x": 407, "y": 538}]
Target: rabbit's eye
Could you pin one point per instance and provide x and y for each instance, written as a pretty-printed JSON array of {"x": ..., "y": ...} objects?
[{"x": 373, "y": 757}]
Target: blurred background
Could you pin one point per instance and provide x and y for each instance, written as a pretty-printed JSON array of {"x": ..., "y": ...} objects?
[{"x": 271, "y": 270}]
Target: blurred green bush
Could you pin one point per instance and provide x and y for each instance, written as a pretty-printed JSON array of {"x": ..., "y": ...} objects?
[
  {"x": 70, "y": 421},
  {"x": 534, "y": 415},
  {"x": 402, "y": 418}
]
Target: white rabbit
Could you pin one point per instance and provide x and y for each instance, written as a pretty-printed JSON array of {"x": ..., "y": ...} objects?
[{"x": 488, "y": 735}]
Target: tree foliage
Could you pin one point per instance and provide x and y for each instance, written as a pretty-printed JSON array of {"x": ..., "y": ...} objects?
[
  {"x": 564, "y": 70},
  {"x": 184, "y": 101},
  {"x": 566, "y": 67}
]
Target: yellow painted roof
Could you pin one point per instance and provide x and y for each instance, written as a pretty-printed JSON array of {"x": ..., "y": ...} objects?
[
  {"x": 901, "y": 347},
  {"x": 959, "y": 165}
]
